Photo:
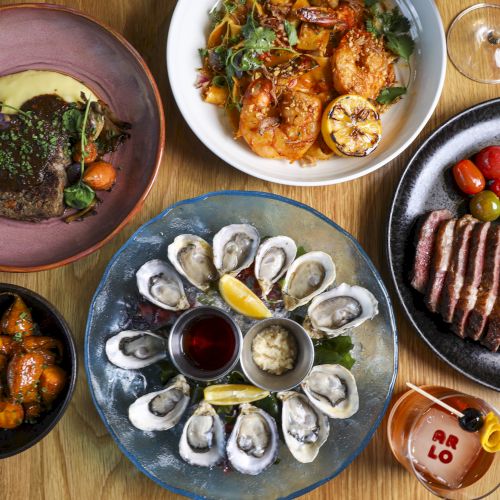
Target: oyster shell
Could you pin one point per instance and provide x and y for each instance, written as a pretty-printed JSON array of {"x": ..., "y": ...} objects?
[
  {"x": 234, "y": 248},
  {"x": 132, "y": 350},
  {"x": 340, "y": 309},
  {"x": 305, "y": 428},
  {"x": 202, "y": 442},
  {"x": 192, "y": 257},
  {"x": 253, "y": 444},
  {"x": 274, "y": 257},
  {"x": 332, "y": 389},
  {"x": 161, "y": 410},
  {"x": 308, "y": 276},
  {"x": 158, "y": 282}
]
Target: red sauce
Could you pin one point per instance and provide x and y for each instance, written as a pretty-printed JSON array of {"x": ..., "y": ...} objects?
[{"x": 209, "y": 343}]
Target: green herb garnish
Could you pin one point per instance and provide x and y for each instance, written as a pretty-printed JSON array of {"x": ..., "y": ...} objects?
[
  {"x": 334, "y": 351},
  {"x": 390, "y": 94},
  {"x": 167, "y": 371},
  {"x": 291, "y": 33}
]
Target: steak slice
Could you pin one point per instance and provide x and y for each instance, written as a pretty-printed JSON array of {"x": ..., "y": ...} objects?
[
  {"x": 440, "y": 263},
  {"x": 488, "y": 288},
  {"x": 468, "y": 295},
  {"x": 34, "y": 151},
  {"x": 492, "y": 338},
  {"x": 455, "y": 276},
  {"x": 426, "y": 235}
]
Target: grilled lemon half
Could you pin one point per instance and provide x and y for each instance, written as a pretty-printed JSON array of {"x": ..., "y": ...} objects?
[{"x": 351, "y": 126}]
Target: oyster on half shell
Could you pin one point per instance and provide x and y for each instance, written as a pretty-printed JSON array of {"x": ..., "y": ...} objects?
[
  {"x": 333, "y": 390},
  {"x": 308, "y": 276},
  {"x": 192, "y": 257},
  {"x": 305, "y": 428},
  {"x": 202, "y": 442},
  {"x": 161, "y": 410},
  {"x": 158, "y": 282},
  {"x": 132, "y": 350},
  {"x": 340, "y": 309},
  {"x": 274, "y": 257},
  {"x": 234, "y": 248},
  {"x": 253, "y": 444}
]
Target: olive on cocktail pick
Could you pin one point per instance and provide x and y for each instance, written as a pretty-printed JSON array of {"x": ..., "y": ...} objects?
[{"x": 472, "y": 420}]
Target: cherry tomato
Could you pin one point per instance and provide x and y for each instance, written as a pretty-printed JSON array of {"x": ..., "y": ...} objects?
[
  {"x": 469, "y": 178},
  {"x": 488, "y": 161},
  {"x": 90, "y": 153},
  {"x": 495, "y": 187},
  {"x": 100, "y": 176},
  {"x": 485, "y": 206}
]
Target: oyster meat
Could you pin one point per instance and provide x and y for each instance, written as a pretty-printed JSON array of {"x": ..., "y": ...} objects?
[
  {"x": 192, "y": 257},
  {"x": 332, "y": 389},
  {"x": 305, "y": 428},
  {"x": 202, "y": 442},
  {"x": 308, "y": 276},
  {"x": 340, "y": 309},
  {"x": 274, "y": 257},
  {"x": 132, "y": 350},
  {"x": 253, "y": 444},
  {"x": 234, "y": 248},
  {"x": 158, "y": 282},
  {"x": 161, "y": 410}
]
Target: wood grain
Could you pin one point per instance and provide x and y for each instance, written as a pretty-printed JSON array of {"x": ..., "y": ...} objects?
[{"x": 79, "y": 460}]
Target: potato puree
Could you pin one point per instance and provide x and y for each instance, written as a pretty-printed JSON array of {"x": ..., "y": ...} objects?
[
  {"x": 274, "y": 350},
  {"x": 17, "y": 88}
]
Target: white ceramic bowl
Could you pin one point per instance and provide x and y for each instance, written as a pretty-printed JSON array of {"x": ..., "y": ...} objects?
[{"x": 401, "y": 124}]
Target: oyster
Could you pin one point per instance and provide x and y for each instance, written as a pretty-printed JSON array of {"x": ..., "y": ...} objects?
[
  {"x": 132, "y": 350},
  {"x": 253, "y": 444},
  {"x": 305, "y": 428},
  {"x": 234, "y": 248},
  {"x": 202, "y": 441},
  {"x": 161, "y": 410},
  {"x": 340, "y": 309},
  {"x": 274, "y": 257},
  {"x": 332, "y": 389},
  {"x": 192, "y": 257},
  {"x": 308, "y": 276},
  {"x": 161, "y": 285}
]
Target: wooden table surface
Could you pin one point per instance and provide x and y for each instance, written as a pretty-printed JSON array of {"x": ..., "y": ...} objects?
[{"x": 79, "y": 460}]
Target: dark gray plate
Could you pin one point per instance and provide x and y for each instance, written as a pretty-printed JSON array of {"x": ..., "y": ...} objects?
[{"x": 426, "y": 185}]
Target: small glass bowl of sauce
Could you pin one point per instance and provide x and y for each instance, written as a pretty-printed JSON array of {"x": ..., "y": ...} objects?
[{"x": 205, "y": 343}]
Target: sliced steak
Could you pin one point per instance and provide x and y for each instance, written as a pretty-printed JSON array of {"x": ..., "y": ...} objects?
[
  {"x": 488, "y": 288},
  {"x": 425, "y": 238},
  {"x": 455, "y": 276},
  {"x": 34, "y": 151},
  {"x": 475, "y": 265},
  {"x": 492, "y": 338},
  {"x": 440, "y": 263}
]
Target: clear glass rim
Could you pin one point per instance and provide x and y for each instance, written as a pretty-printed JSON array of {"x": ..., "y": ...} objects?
[{"x": 459, "y": 16}]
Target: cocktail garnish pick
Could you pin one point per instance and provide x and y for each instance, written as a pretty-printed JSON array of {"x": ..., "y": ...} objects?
[{"x": 435, "y": 400}]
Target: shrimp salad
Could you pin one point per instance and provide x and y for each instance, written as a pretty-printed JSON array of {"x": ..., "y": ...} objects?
[{"x": 304, "y": 80}]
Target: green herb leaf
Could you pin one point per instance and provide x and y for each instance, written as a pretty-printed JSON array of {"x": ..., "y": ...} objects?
[
  {"x": 334, "y": 351},
  {"x": 269, "y": 405},
  {"x": 72, "y": 121},
  {"x": 167, "y": 371},
  {"x": 237, "y": 377},
  {"x": 291, "y": 33},
  {"x": 401, "y": 45},
  {"x": 300, "y": 251},
  {"x": 370, "y": 3},
  {"x": 79, "y": 195},
  {"x": 390, "y": 94},
  {"x": 18, "y": 336}
]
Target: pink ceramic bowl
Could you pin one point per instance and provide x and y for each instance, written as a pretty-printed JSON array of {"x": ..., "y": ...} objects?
[{"x": 51, "y": 37}]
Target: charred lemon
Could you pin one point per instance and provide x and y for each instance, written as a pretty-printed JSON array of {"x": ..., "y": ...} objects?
[{"x": 351, "y": 126}]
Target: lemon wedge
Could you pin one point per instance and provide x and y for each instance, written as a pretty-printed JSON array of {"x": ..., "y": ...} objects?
[
  {"x": 351, "y": 126},
  {"x": 233, "y": 394},
  {"x": 242, "y": 299}
]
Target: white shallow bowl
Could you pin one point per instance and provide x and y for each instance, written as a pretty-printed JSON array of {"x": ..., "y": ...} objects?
[{"x": 401, "y": 124}]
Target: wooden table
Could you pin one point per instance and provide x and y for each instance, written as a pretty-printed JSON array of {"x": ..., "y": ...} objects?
[{"x": 79, "y": 460}]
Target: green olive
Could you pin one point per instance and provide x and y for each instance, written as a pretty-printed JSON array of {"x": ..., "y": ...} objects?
[{"x": 485, "y": 206}]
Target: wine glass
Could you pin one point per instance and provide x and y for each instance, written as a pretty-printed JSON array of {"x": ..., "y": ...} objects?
[{"x": 474, "y": 42}]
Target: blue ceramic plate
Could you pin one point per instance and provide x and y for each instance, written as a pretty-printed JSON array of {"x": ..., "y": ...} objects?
[{"x": 113, "y": 389}]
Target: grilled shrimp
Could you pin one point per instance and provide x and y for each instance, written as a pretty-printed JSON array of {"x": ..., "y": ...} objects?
[
  {"x": 361, "y": 65},
  {"x": 344, "y": 17},
  {"x": 285, "y": 129}
]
